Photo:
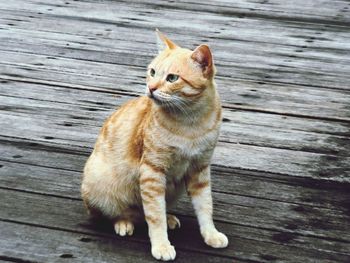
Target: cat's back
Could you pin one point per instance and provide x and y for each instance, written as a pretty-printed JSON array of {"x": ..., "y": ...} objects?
[
  {"x": 124, "y": 128},
  {"x": 129, "y": 114}
]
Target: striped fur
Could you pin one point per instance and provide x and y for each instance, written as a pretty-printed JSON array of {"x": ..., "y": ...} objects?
[{"x": 156, "y": 146}]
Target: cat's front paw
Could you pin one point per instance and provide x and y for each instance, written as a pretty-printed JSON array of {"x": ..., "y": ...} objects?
[
  {"x": 164, "y": 252},
  {"x": 214, "y": 238}
]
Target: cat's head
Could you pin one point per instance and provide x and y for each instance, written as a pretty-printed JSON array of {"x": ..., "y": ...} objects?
[{"x": 179, "y": 76}]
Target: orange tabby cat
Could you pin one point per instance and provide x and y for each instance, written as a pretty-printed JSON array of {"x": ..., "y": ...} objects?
[{"x": 155, "y": 146}]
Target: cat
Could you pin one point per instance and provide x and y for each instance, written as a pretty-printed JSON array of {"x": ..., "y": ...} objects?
[{"x": 157, "y": 146}]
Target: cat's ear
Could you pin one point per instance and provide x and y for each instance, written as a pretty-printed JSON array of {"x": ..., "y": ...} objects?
[
  {"x": 203, "y": 57},
  {"x": 163, "y": 42}
]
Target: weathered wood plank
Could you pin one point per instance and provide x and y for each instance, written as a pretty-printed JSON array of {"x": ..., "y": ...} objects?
[
  {"x": 244, "y": 127},
  {"x": 301, "y": 192},
  {"x": 286, "y": 100},
  {"x": 118, "y": 57},
  {"x": 240, "y": 209},
  {"x": 318, "y": 59},
  {"x": 61, "y": 116},
  {"x": 245, "y": 239},
  {"x": 303, "y": 11},
  {"x": 83, "y": 133},
  {"x": 28, "y": 243},
  {"x": 246, "y": 157},
  {"x": 314, "y": 11},
  {"x": 305, "y": 164},
  {"x": 303, "y": 71},
  {"x": 98, "y": 35},
  {"x": 139, "y": 16}
]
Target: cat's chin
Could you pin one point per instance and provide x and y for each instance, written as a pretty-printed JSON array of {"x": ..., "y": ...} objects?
[{"x": 156, "y": 100}]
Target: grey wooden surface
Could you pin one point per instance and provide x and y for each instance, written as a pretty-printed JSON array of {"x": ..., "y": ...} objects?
[{"x": 281, "y": 171}]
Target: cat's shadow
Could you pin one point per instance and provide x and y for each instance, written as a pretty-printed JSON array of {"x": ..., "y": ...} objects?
[{"x": 187, "y": 235}]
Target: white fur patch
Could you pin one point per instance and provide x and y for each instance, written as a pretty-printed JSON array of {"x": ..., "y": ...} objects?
[{"x": 190, "y": 91}]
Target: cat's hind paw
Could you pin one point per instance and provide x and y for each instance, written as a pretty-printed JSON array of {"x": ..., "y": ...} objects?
[
  {"x": 215, "y": 238},
  {"x": 124, "y": 227},
  {"x": 173, "y": 221},
  {"x": 164, "y": 252}
]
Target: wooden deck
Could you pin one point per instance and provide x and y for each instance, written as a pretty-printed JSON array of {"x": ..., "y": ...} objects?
[{"x": 281, "y": 171}]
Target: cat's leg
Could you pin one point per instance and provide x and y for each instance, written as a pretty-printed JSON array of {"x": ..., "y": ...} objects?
[
  {"x": 152, "y": 186},
  {"x": 173, "y": 221},
  {"x": 198, "y": 187}
]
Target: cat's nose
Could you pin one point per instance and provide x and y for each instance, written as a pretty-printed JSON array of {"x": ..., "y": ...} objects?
[{"x": 152, "y": 88}]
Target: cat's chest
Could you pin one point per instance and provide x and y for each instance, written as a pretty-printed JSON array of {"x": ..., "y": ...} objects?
[
  {"x": 177, "y": 168},
  {"x": 192, "y": 148},
  {"x": 178, "y": 152},
  {"x": 185, "y": 152}
]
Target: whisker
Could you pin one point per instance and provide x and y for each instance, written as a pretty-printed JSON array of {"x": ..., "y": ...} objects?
[
  {"x": 182, "y": 105},
  {"x": 176, "y": 104}
]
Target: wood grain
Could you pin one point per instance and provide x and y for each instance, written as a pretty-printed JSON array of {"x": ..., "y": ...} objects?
[
  {"x": 67, "y": 221},
  {"x": 248, "y": 59},
  {"x": 281, "y": 174},
  {"x": 42, "y": 244},
  {"x": 238, "y": 94},
  {"x": 243, "y": 209},
  {"x": 239, "y": 126}
]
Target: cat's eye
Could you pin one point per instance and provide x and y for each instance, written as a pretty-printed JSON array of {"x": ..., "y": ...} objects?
[
  {"x": 152, "y": 72},
  {"x": 172, "y": 78}
]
